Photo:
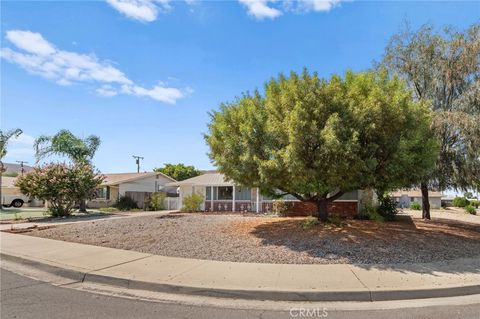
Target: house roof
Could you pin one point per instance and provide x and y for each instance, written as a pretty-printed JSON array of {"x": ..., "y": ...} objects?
[
  {"x": 415, "y": 193},
  {"x": 119, "y": 178},
  {"x": 207, "y": 179},
  {"x": 8, "y": 181}
]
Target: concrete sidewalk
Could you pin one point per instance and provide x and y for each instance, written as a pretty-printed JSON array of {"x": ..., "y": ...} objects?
[{"x": 339, "y": 282}]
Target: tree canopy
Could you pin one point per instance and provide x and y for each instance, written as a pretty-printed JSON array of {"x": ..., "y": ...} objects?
[
  {"x": 64, "y": 143},
  {"x": 317, "y": 139},
  {"x": 179, "y": 171},
  {"x": 61, "y": 185},
  {"x": 443, "y": 69}
]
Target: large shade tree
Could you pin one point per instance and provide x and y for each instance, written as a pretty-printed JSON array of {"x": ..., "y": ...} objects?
[
  {"x": 443, "y": 68},
  {"x": 65, "y": 143},
  {"x": 5, "y": 137},
  {"x": 318, "y": 139},
  {"x": 178, "y": 171}
]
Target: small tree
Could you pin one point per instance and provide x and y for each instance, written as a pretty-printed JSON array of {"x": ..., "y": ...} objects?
[
  {"x": 61, "y": 185},
  {"x": 317, "y": 139},
  {"x": 179, "y": 171}
]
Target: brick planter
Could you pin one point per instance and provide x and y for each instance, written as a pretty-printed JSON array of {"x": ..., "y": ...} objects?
[{"x": 344, "y": 209}]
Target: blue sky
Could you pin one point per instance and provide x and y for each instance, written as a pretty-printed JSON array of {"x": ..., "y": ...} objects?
[{"x": 144, "y": 75}]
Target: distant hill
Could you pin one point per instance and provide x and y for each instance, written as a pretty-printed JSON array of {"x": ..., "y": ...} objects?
[{"x": 12, "y": 168}]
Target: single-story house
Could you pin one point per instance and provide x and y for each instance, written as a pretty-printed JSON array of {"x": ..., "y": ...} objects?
[
  {"x": 404, "y": 198},
  {"x": 222, "y": 195},
  {"x": 117, "y": 185}
]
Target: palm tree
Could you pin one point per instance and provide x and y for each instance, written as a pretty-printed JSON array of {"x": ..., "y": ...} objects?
[
  {"x": 64, "y": 143},
  {"x": 4, "y": 138}
]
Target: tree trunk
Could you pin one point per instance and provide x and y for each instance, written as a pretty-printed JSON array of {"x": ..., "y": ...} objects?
[
  {"x": 322, "y": 213},
  {"x": 83, "y": 206},
  {"x": 425, "y": 201}
]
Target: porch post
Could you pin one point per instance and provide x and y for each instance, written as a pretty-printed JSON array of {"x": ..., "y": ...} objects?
[
  {"x": 258, "y": 201},
  {"x": 233, "y": 199},
  {"x": 211, "y": 198}
]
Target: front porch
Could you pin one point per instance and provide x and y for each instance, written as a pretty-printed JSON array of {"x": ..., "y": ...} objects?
[{"x": 232, "y": 198}]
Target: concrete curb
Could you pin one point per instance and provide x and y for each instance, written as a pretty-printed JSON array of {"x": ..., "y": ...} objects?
[{"x": 364, "y": 295}]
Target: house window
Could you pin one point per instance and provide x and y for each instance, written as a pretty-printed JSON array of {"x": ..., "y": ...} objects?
[
  {"x": 412, "y": 199},
  {"x": 225, "y": 192},
  {"x": 243, "y": 193},
  {"x": 102, "y": 193}
]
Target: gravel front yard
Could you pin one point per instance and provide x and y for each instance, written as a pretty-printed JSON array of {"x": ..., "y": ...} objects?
[{"x": 244, "y": 238}]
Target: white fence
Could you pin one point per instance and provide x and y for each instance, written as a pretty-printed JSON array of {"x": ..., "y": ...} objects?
[{"x": 172, "y": 203}]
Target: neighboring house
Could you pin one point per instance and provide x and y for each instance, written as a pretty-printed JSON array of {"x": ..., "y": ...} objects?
[
  {"x": 117, "y": 185},
  {"x": 404, "y": 198},
  {"x": 222, "y": 195}
]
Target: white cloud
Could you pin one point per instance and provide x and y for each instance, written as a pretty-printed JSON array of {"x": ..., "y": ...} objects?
[
  {"x": 318, "y": 5},
  {"x": 20, "y": 148},
  {"x": 42, "y": 58},
  {"x": 141, "y": 10},
  {"x": 106, "y": 90},
  {"x": 31, "y": 42},
  {"x": 261, "y": 9},
  {"x": 159, "y": 92}
]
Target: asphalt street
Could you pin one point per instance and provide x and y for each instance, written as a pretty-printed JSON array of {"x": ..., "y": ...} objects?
[{"x": 22, "y": 297}]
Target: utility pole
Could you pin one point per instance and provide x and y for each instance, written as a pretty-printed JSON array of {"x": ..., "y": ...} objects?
[
  {"x": 137, "y": 161},
  {"x": 22, "y": 168}
]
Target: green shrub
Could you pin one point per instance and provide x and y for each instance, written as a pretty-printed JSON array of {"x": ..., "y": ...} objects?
[
  {"x": 370, "y": 212},
  {"x": 191, "y": 203},
  {"x": 108, "y": 209},
  {"x": 376, "y": 216},
  {"x": 387, "y": 207},
  {"x": 474, "y": 203},
  {"x": 309, "y": 223},
  {"x": 460, "y": 202},
  {"x": 157, "y": 201},
  {"x": 415, "y": 206},
  {"x": 366, "y": 211},
  {"x": 336, "y": 220},
  {"x": 471, "y": 210},
  {"x": 126, "y": 203},
  {"x": 280, "y": 207}
]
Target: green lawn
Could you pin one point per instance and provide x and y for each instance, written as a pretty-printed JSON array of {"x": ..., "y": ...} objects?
[
  {"x": 27, "y": 212},
  {"x": 22, "y": 213}
]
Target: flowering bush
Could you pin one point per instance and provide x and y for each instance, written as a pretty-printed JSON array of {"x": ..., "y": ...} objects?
[{"x": 61, "y": 185}]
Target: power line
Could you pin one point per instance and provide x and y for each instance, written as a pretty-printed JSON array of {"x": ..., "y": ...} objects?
[
  {"x": 22, "y": 168},
  {"x": 137, "y": 161}
]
